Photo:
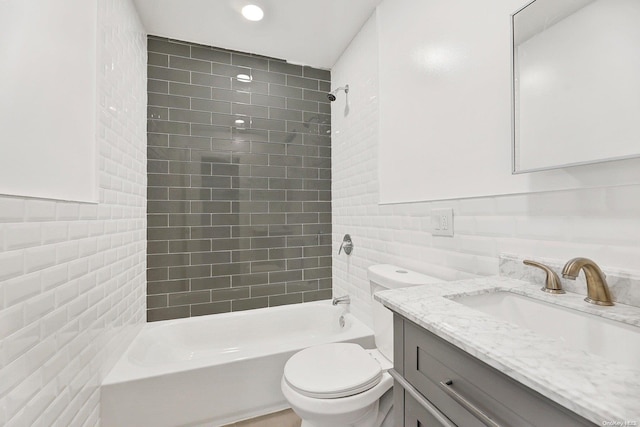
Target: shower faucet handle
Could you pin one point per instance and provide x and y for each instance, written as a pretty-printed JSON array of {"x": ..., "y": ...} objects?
[{"x": 347, "y": 245}]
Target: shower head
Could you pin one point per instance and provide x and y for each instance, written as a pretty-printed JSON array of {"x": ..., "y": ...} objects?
[{"x": 332, "y": 95}]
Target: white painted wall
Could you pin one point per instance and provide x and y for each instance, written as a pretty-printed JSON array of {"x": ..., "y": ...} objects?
[
  {"x": 72, "y": 275},
  {"x": 600, "y": 223},
  {"x": 48, "y": 92},
  {"x": 577, "y": 87},
  {"x": 445, "y": 114}
]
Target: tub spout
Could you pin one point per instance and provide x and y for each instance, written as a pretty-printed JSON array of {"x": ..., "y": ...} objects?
[{"x": 342, "y": 300}]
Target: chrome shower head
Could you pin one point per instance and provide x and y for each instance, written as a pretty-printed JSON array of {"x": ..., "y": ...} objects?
[{"x": 332, "y": 95}]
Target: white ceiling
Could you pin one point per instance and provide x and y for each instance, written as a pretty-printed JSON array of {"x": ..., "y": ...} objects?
[{"x": 307, "y": 32}]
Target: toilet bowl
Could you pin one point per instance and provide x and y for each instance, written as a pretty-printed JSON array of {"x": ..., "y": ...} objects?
[{"x": 342, "y": 384}]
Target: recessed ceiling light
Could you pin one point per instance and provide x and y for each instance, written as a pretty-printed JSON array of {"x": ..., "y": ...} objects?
[{"x": 252, "y": 12}]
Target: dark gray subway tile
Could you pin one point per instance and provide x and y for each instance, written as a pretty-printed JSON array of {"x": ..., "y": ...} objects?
[
  {"x": 266, "y": 290},
  {"x": 267, "y": 266},
  {"x": 324, "y": 108},
  {"x": 211, "y": 131},
  {"x": 285, "y": 207},
  {"x": 230, "y": 294},
  {"x": 192, "y": 91},
  {"x": 324, "y": 173},
  {"x": 260, "y": 147},
  {"x": 162, "y": 45},
  {"x": 157, "y": 248},
  {"x": 302, "y": 218},
  {"x": 284, "y": 253},
  {"x": 324, "y": 196},
  {"x": 163, "y": 100},
  {"x": 168, "y": 74},
  {"x": 211, "y": 156},
  {"x": 231, "y": 95},
  {"x": 157, "y": 220},
  {"x": 176, "y": 128},
  {"x": 250, "y": 182},
  {"x": 199, "y": 258},
  {"x": 302, "y": 82},
  {"x": 324, "y": 217},
  {"x": 189, "y": 272},
  {"x": 268, "y": 242},
  {"x": 293, "y": 241},
  {"x": 213, "y": 81},
  {"x": 161, "y": 153},
  {"x": 317, "y": 162},
  {"x": 220, "y": 282},
  {"x": 301, "y": 150},
  {"x": 158, "y": 59},
  {"x": 324, "y": 86},
  {"x": 211, "y": 181},
  {"x": 157, "y": 86},
  {"x": 285, "y": 137},
  {"x": 250, "y": 231},
  {"x": 316, "y": 73},
  {"x": 185, "y": 298},
  {"x": 249, "y": 279},
  {"x": 268, "y": 77},
  {"x": 253, "y": 135},
  {"x": 285, "y": 184},
  {"x": 302, "y": 195},
  {"x": 317, "y": 140},
  {"x": 325, "y": 261},
  {"x": 285, "y": 68},
  {"x": 232, "y": 71},
  {"x": 231, "y": 269},
  {"x": 285, "y": 91},
  {"x": 210, "y": 54},
  {"x": 210, "y": 207},
  {"x": 155, "y": 274},
  {"x": 168, "y": 233},
  {"x": 269, "y": 171},
  {"x": 251, "y": 207},
  {"x": 317, "y": 295},
  {"x": 249, "y": 304},
  {"x": 190, "y": 142},
  {"x": 284, "y": 230},
  {"x": 167, "y": 287},
  {"x": 317, "y": 273},
  {"x": 317, "y": 206},
  {"x": 214, "y": 232},
  {"x": 285, "y": 160},
  {"x": 189, "y": 64},
  {"x": 299, "y": 264},
  {"x": 191, "y": 220},
  {"x": 190, "y": 116},
  {"x": 167, "y": 260},
  {"x": 283, "y": 114},
  {"x": 268, "y": 124},
  {"x": 325, "y": 283},
  {"x": 300, "y": 104},
  {"x": 157, "y": 139},
  {"x": 157, "y": 193},
  {"x": 302, "y": 286},
  {"x": 268, "y": 195},
  {"x": 317, "y": 184},
  {"x": 213, "y": 106},
  {"x": 158, "y": 113},
  {"x": 188, "y": 246},
  {"x": 324, "y": 151},
  {"x": 305, "y": 173},
  {"x": 267, "y": 219},
  {"x": 285, "y": 276},
  {"x": 168, "y": 207},
  {"x": 278, "y": 300},
  {"x": 157, "y": 314},
  {"x": 166, "y": 180},
  {"x": 250, "y": 110},
  {"x": 268, "y": 100},
  {"x": 250, "y": 255},
  {"x": 317, "y": 229},
  {"x": 250, "y": 87},
  {"x": 230, "y": 244},
  {"x": 210, "y": 308}
]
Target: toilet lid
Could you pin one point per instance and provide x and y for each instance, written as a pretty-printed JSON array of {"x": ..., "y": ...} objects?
[{"x": 330, "y": 371}]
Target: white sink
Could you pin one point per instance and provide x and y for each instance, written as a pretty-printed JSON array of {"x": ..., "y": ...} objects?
[{"x": 616, "y": 341}]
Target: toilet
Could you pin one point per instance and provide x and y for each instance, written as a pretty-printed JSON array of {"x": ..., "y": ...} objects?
[{"x": 342, "y": 384}]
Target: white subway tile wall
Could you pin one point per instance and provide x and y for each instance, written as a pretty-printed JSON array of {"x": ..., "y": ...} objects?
[
  {"x": 599, "y": 223},
  {"x": 72, "y": 276}
]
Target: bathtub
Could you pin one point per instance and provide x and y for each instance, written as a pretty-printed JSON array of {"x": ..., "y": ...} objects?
[{"x": 214, "y": 370}]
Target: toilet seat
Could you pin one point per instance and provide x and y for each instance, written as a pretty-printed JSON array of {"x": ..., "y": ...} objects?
[{"x": 331, "y": 371}]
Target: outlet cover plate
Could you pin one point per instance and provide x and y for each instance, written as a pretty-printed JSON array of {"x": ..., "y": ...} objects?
[{"x": 442, "y": 222}]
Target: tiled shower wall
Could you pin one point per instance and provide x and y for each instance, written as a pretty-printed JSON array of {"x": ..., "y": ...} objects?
[{"x": 239, "y": 181}]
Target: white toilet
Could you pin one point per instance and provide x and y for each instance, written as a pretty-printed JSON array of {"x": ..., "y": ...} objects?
[{"x": 342, "y": 384}]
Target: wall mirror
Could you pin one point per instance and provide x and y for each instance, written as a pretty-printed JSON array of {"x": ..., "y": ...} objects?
[{"x": 576, "y": 83}]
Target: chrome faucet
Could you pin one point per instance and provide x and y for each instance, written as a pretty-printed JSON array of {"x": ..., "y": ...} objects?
[
  {"x": 341, "y": 300},
  {"x": 597, "y": 289}
]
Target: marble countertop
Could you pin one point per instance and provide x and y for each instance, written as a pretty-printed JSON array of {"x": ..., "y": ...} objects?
[{"x": 589, "y": 385}]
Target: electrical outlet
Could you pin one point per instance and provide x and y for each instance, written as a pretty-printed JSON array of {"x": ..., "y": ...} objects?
[{"x": 442, "y": 222}]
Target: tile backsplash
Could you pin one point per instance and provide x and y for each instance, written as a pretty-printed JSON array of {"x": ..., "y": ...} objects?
[{"x": 239, "y": 181}]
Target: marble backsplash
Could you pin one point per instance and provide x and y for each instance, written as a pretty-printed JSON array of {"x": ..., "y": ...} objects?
[{"x": 623, "y": 285}]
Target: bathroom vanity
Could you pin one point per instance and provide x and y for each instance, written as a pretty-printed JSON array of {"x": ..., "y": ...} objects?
[{"x": 458, "y": 366}]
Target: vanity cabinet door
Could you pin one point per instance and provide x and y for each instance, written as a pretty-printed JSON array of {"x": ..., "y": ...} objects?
[
  {"x": 471, "y": 393},
  {"x": 416, "y": 416}
]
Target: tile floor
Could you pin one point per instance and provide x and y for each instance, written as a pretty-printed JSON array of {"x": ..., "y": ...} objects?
[{"x": 286, "y": 418}]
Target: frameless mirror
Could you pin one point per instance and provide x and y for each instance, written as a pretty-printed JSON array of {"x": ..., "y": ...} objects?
[{"x": 576, "y": 83}]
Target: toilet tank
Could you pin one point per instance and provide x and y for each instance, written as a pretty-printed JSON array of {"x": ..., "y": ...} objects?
[{"x": 387, "y": 276}]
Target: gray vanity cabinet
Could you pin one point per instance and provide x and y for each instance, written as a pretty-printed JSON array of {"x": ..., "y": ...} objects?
[{"x": 438, "y": 384}]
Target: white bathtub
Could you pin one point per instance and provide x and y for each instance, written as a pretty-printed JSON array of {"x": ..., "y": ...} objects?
[{"x": 218, "y": 369}]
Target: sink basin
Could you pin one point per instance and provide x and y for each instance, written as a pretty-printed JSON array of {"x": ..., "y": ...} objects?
[{"x": 616, "y": 341}]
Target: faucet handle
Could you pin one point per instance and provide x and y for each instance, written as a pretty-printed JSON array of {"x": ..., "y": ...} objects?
[{"x": 552, "y": 282}]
